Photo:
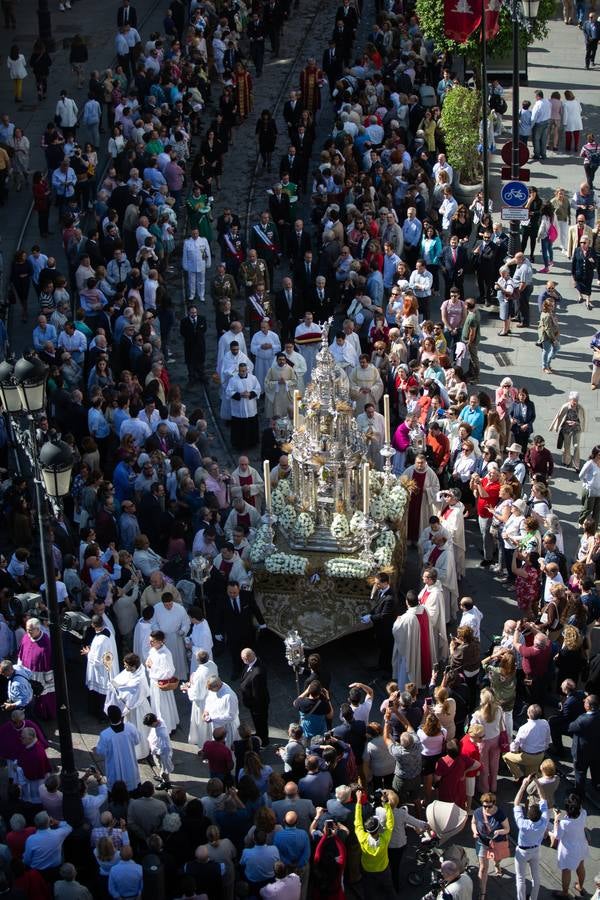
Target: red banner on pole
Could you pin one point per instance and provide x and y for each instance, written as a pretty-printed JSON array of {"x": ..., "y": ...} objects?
[
  {"x": 492, "y": 18},
  {"x": 461, "y": 18}
]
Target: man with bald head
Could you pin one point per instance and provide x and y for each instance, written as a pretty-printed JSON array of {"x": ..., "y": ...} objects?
[
  {"x": 126, "y": 877},
  {"x": 205, "y": 872},
  {"x": 293, "y": 844},
  {"x": 292, "y": 802},
  {"x": 254, "y": 693}
]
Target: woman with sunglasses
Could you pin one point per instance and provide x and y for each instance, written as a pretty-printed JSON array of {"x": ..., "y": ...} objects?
[{"x": 490, "y": 829}]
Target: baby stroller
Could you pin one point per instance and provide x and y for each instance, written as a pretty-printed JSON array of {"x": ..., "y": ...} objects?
[{"x": 445, "y": 820}]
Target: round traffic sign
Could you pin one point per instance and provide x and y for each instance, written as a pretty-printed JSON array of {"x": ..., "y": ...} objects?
[
  {"x": 506, "y": 153},
  {"x": 514, "y": 193}
]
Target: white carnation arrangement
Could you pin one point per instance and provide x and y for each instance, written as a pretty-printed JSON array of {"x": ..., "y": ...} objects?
[
  {"x": 278, "y": 501},
  {"x": 287, "y": 517},
  {"x": 387, "y": 538},
  {"x": 383, "y": 556},
  {"x": 340, "y": 527},
  {"x": 284, "y": 487},
  {"x": 258, "y": 551},
  {"x": 378, "y": 509},
  {"x": 304, "y": 526},
  {"x": 286, "y": 564},
  {"x": 356, "y": 522},
  {"x": 346, "y": 567}
]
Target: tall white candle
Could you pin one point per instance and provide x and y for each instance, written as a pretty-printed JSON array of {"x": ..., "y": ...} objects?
[
  {"x": 386, "y": 414},
  {"x": 365, "y": 487},
  {"x": 267, "y": 480},
  {"x": 297, "y": 396}
]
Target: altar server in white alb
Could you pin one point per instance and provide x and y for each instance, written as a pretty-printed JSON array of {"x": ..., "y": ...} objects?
[
  {"x": 344, "y": 353},
  {"x": 174, "y": 622},
  {"x": 366, "y": 385},
  {"x": 221, "y": 707},
  {"x": 195, "y": 261},
  {"x": 197, "y": 690},
  {"x": 279, "y": 386},
  {"x": 130, "y": 691},
  {"x": 141, "y": 634},
  {"x": 230, "y": 367},
  {"x": 160, "y": 746},
  {"x": 298, "y": 364},
  {"x": 102, "y": 663},
  {"x": 243, "y": 392},
  {"x": 372, "y": 424},
  {"x": 200, "y": 637},
  {"x": 118, "y": 745},
  {"x": 161, "y": 668},
  {"x": 452, "y": 516},
  {"x": 264, "y": 346}
]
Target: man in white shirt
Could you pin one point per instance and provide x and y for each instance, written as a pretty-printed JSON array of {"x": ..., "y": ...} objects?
[
  {"x": 540, "y": 121},
  {"x": 530, "y": 744},
  {"x": 344, "y": 353},
  {"x": 442, "y": 165},
  {"x": 361, "y": 706},
  {"x": 470, "y": 616},
  {"x": 421, "y": 282}
]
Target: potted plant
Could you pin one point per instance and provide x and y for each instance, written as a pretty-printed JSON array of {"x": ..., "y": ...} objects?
[{"x": 461, "y": 114}]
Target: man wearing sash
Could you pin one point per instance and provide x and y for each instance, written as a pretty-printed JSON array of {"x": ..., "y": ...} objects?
[
  {"x": 233, "y": 249},
  {"x": 264, "y": 238},
  {"x": 254, "y": 271},
  {"x": 258, "y": 308}
]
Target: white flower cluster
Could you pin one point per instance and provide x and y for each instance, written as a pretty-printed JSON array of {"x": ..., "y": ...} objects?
[
  {"x": 304, "y": 526},
  {"x": 284, "y": 487},
  {"x": 287, "y": 517},
  {"x": 383, "y": 556},
  {"x": 286, "y": 564},
  {"x": 396, "y": 501},
  {"x": 387, "y": 538},
  {"x": 278, "y": 501},
  {"x": 378, "y": 508},
  {"x": 346, "y": 567},
  {"x": 340, "y": 527},
  {"x": 259, "y": 550},
  {"x": 356, "y": 522}
]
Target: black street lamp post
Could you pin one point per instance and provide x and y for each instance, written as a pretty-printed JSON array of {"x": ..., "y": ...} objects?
[{"x": 23, "y": 395}]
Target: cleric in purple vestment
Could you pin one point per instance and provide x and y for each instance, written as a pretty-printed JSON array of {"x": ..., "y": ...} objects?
[{"x": 35, "y": 655}]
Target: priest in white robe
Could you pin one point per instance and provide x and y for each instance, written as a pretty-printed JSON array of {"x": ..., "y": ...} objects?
[
  {"x": 227, "y": 370},
  {"x": 414, "y": 652},
  {"x": 298, "y": 364},
  {"x": 221, "y": 707},
  {"x": 241, "y": 514},
  {"x": 247, "y": 482},
  {"x": 372, "y": 424},
  {"x": 344, "y": 353},
  {"x": 439, "y": 554},
  {"x": 172, "y": 619},
  {"x": 243, "y": 391},
  {"x": 452, "y": 514},
  {"x": 141, "y": 634},
  {"x": 102, "y": 663},
  {"x": 420, "y": 505},
  {"x": 427, "y": 535},
  {"x": 432, "y": 598},
  {"x": 118, "y": 745},
  {"x": 130, "y": 691},
  {"x": 366, "y": 385},
  {"x": 308, "y": 340},
  {"x": 161, "y": 667},
  {"x": 199, "y": 638},
  {"x": 197, "y": 690},
  {"x": 235, "y": 333},
  {"x": 279, "y": 385},
  {"x": 264, "y": 346}
]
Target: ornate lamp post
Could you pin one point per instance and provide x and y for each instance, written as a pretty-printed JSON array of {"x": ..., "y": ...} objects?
[{"x": 23, "y": 395}]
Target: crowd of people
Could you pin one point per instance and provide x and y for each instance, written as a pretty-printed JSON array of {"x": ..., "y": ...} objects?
[{"x": 386, "y": 254}]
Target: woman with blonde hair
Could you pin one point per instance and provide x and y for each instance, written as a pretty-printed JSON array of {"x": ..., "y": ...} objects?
[
  {"x": 444, "y": 706},
  {"x": 470, "y": 747},
  {"x": 501, "y": 669},
  {"x": 221, "y": 850},
  {"x": 570, "y": 659},
  {"x": 490, "y": 829},
  {"x": 489, "y": 715}
]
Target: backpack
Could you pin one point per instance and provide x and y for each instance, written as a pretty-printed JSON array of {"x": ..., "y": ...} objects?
[
  {"x": 552, "y": 232},
  {"x": 594, "y": 157}
]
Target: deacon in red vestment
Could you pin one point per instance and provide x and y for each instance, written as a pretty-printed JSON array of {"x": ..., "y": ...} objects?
[{"x": 311, "y": 79}]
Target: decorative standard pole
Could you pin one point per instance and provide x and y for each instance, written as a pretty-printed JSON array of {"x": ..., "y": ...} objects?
[
  {"x": 484, "y": 111},
  {"x": 23, "y": 392}
]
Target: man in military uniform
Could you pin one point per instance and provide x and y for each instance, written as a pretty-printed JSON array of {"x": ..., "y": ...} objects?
[
  {"x": 223, "y": 286},
  {"x": 252, "y": 271},
  {"x": 264, "y": 238}
]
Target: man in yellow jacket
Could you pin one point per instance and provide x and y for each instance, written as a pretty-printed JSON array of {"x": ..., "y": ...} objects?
[{"x": 374, "y": 842}]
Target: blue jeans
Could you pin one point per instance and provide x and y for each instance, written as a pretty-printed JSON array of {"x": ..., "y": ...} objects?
[
  {"x": 549, "y": 351},
  {"x": 580, "y": 12},
  {"x": 539, "y": 138},
  {"x": 547, "y": 253}
]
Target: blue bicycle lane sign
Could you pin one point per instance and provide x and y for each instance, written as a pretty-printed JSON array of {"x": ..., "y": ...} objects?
[{"x": 514, "y": 193}]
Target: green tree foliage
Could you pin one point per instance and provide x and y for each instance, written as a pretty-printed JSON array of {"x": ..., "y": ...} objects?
[
  {"x": 431, "y": 17},
  {"x": 460, "y": 125}
]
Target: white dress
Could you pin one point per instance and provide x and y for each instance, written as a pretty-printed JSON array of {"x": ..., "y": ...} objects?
[
  {"x": 129, "y": 691},
  {"x": 223, "y": 708},
  {"x": 200, "y": 731},
  {"x": 162, "y": 702},
  {"x": 573, "y": 847}
]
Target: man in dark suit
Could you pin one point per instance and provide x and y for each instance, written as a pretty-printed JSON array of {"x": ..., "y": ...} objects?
[
  {"x": 305, "y": 273},
  {"x": 127, "y": 15},
  {"x": 292, "y": 111},
  {"x": 300, "y": 241},
  {"x": 289, "y": 309},
  {"x": 235, "y": 623},
  {"x": 320, "y": 301},
  {"x": 453, "y": 264},
  {"x": 291, "y": 164},
  {"x": 270, "y": 447},
  {"x": 281, "y": 213},
  {"x": 382, "y": 616},
  {"x": 254, "y": 693},
  {"x": 332, "y": 65},
  {"x": 348, "y": 15},
  {"x": 273, "y": 18},
  {"x": 192, "y": 329},
  {"x": 585, "y": 731},
  {"x": 570, "y": 709},
  {"x": 486, "y": 262},
  {"x": 416, "y": 111}
]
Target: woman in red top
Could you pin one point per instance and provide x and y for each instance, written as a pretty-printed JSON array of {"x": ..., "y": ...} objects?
[
  {"x": 470, "y": 749},
  {"x": 329, "y": 865},
  {"x": 41, "y": 202},
  {"x": 449, "y": 776}
]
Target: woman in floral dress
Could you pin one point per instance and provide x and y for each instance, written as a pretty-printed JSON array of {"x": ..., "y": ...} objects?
[{"x": 527, "y": 583}]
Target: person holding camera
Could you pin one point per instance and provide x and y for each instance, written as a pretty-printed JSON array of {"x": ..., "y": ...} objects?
[{"x": 374, "y": 841}]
